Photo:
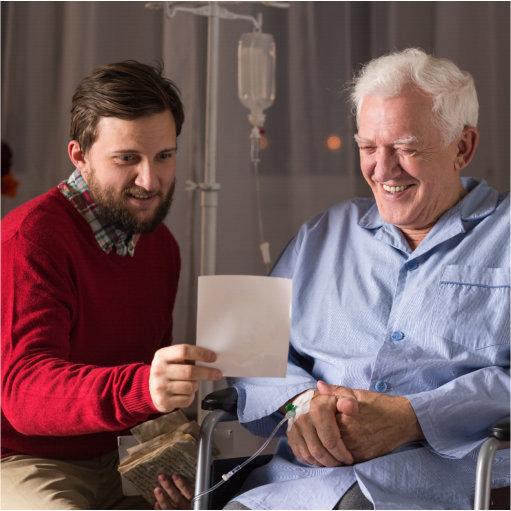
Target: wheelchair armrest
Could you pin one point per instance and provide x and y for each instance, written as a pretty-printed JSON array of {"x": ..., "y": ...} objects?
[
  {"x": 498, "y": 438},
  {"x": 224, "y": 399},
  {"x": 500, "y": 431},
  {"x": 222, "y": 405}
]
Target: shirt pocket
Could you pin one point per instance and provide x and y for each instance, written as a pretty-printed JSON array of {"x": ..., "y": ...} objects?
[{"x": 472, "y": 306}]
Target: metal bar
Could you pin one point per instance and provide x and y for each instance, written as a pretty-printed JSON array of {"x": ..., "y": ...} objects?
[
  {"x": 202, "y": 480},
  {"x": 209, "y": 190},
  {"x": 483, "y": 473},
  {"x": 209, "y": 199}
]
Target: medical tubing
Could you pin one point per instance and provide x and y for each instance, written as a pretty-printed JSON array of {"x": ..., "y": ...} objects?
[
  {"x": 254, "y": 156},
  {"x": 260, "y": 216},
  {"x": 255, "y": 136},
  {"x": 255, "y": 162},
  {"x": 225, "y": 477}
]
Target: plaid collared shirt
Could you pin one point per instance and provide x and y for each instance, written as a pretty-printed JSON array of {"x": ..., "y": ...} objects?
[{"x": 108, "y": 237}]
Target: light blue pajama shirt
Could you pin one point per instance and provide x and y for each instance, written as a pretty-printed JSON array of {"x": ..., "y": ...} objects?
[{"x": 431, "y": 324}]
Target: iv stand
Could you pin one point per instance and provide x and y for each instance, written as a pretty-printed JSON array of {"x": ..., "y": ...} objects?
[{"x": 209, "y": 189}]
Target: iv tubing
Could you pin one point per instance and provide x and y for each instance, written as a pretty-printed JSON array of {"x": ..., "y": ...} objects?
[
  {"x": 254, "y": 154},
  {"x": 229, "y": 474}
]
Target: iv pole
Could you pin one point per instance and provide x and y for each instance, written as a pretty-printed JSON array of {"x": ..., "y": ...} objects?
[{"x": 209, "y": 188}]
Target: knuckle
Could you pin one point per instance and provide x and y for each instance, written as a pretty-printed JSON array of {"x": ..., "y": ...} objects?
[
  {"x": 157, "y": 366},
  {"x": 184, "y": 401},
  {"x": 301, "y": 422},
  {"x": 310, "y": 460},
  {"x": 191, "y": 387},
  {"x": 316, "y": 452},
  {"x": 316, "y": 411},
  {"x": 330, "y": 442},
  {"x": 157, "y": 355},
  {"x": 182, "y": 351},
  {"x": 167, "y": 485},
  {"x": 158, "y": 387},
  {"x": 188, "y": 372}
]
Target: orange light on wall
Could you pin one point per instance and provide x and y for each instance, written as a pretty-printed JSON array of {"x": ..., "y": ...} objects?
[
  {"x": 334, "y": 143},
  {"x": 263, "y": 143}
]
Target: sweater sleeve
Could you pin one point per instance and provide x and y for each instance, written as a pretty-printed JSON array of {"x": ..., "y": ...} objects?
[{"x": 45, "y": 392}]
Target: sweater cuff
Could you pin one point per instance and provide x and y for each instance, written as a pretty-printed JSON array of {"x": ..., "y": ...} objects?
[{"x": 138, "y": 400}]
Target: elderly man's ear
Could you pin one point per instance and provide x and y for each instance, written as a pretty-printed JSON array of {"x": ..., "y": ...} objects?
[{"x": 467, "y": 144}]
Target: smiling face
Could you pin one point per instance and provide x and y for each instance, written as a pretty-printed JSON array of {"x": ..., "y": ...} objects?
[
  {"x": 413, "y": 175},
  {"x": 130, "y": 170}
]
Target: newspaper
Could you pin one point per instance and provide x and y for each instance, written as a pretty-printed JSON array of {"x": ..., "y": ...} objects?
[{"x": 167, "y": 445}]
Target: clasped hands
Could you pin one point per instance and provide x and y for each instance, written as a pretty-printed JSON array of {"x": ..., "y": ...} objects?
[{"x": 346, "y": 426}]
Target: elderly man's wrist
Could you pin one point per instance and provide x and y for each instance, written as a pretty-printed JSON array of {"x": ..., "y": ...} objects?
[{"x": 411, "y": 428}]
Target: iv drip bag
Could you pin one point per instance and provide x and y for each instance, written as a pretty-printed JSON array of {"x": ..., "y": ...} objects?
[{"x": 256, "y": 74}]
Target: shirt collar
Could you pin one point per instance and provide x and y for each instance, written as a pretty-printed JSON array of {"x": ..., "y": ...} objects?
[
  {"x": 108, "y": 237},
  {"x": 480, "y": 202}
]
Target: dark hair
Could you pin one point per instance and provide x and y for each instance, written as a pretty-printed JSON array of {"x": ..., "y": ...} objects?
[{"x": 126, "y": 90}]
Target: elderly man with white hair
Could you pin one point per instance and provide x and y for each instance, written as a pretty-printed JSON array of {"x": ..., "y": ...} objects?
[{"x": 400, "y": 313}]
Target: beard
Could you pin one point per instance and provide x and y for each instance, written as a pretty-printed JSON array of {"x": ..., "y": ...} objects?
[{"x": 113, "y": 208}]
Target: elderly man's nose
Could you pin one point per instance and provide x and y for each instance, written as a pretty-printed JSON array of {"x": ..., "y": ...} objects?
[{"x": 386, "y": 165}]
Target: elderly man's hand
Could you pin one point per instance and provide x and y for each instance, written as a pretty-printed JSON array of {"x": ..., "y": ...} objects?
[
  {"x": 381, "y": 424},
  {"x": 315, "y": 437},
  {"x": 175, "y": 493}
]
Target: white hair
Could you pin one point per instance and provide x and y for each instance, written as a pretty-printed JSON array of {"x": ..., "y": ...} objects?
[{"x": 455, "y": 104}]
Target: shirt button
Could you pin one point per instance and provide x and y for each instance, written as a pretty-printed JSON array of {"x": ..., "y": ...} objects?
[
  {"x": 411, "y": 265},
  {"x": 381, "y": 386},
  {"x": 397, "y": 335}
]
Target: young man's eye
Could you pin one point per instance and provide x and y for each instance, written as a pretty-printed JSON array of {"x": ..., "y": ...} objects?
[
  {"x": 125, "y": 158},
  {"x": 165, "y": 156}
]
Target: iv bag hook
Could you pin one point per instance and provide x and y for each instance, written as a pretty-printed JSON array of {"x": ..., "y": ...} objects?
[{"x": 210, "y": 9}]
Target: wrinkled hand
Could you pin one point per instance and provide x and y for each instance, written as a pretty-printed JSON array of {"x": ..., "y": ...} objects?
[
  {"x": 315, "y": 437},
  {"x": 381, "y": 424},
  {"x": 173, "y": 377},
  {"x": 175, "y": 493}
]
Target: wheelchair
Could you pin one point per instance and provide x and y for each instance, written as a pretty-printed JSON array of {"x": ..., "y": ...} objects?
[{"x": 222, "y": 406}]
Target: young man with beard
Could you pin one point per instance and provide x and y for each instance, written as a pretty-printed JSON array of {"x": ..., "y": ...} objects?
[{"x": 89, "y": 279}]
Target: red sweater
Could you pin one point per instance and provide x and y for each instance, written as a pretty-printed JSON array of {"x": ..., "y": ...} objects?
[{"x": 79, "y": 330}]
